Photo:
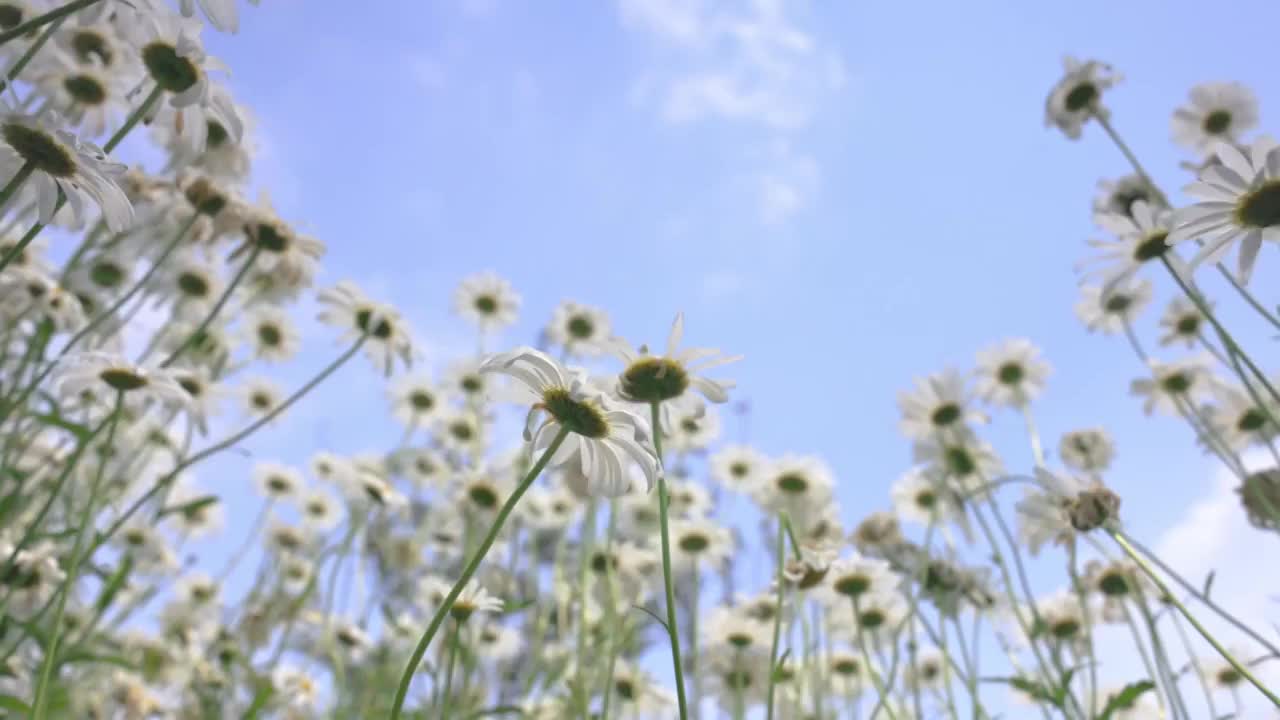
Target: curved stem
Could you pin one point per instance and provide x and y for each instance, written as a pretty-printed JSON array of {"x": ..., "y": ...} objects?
[
  {"x": 403, "y": 690},
  {"x": 133, "y": 119},
  {"x": 217, "y": 308},
  {"x": 41, "y": 20},
  {"x": 240, "y": 554},
  {"x": 446, "y": 698},
  {"x": 6, "y": 194},
  {"x": 1240, "y": 667},
  {"x": 673, "y": 630}
]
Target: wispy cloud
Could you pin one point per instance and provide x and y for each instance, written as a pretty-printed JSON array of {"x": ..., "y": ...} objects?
[{"x": 754, "y": 66}]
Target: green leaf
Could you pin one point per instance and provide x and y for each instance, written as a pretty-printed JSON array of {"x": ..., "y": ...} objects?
[
  {"x": 1032, "y": 688},
  {"x": 112, "y": 588},
  {"x": 190, "y": 507},
  {"x": 85, "y": 656},
  {"x": 260, "y": 699},
  {"x": 651, "y": 614},
  {"x": 82, "y": 432},
  {"x": 500, "y": 710},
  {"x": 1127, "y": 696},
  {"x": 515, "y": 607},
  {"x": 1064, "y": 688},
  {"x": 13, "y": 704}
]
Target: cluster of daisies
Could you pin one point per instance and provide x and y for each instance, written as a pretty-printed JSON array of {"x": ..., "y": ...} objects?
[{"x": 611, "y": 556}]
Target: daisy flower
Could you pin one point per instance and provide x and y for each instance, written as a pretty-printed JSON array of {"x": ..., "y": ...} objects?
[
  {"x": 797, "y": 485},
  {"x": 1065, "y": 619},
  {"x": 1174, "y": 388},
  {"x": 1090, "y": 450},
  {"x": 465, "y": 379},
  {"x": 637, "y": 693},
  {"x": 1239, "y": 202},
  {"x": 1011, "y": 373},
  {"x": 734, "y": 630},
  {"x": 878, "y": 616},
  {"x": 414, "y": 401},
  {"x": 941, "y": 401},
  {"x": 387, "y": 338},
  {"x": 1218, "y": 112},
  {"x": 602, "y": 437},
  {"x": 104, "y": 375},
  {"x": 487, "y": 300},
  {"x": 1061, "y": 506},
  {"x": 658, "y": 379},
  {"x": 497, "y": 643},
  {"x": 1115, "y": 583},
  {"x": 579, "y": 329},
  {"x": 738, "y": 467},
  {"x": 88, "y": 96},
  {"x": 920, "y": 496},
  {"x": 460, "y": 431},
  {"x": 688, "y": 499},
  {"x": 855, "y": 577},
  {"x": 1117, "y": 197},
  {"x": 1110, "y": 311},
  {"x": 691, "y": 427},
  {"x": 699, "y": 544},
  {"x": 1182, "y": 322},
  {"x": 1239, "y": 420},
  {"x": 272, "y": 334},
  {"x": 1141, "y": 238},
  {"x": 1078, "y": 95},
  {"x": 473, "y": 598},
  {"x": 221, "y": 14},
  {"x": 319, "y": 510},
  {"x": 59, "y": 162},
  {"x": 203, "y": 395},
  {"x": 261, "y": 396},
  {"x": 844, "y": 672},
  {"x": 959, "y": 457},
  {"x": 275, "y": 481}
]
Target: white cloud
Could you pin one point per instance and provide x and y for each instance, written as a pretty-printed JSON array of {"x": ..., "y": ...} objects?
[
  {"x": 752, "y": 64},
  {"x": 785, "y": 183}
]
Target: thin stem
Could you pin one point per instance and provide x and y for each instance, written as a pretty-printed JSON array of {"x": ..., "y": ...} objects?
[
  {"x": 1128, "y": 154},
  {"x": 41, "y": 20},
  {"x": 1240, "y": 667},
  {"x": 30, "y": 54},
  {"x": 40, "y": 706},
  {"x": 673, "y": 630},
  {"x": 6, "y": 194},
  {"x": 582, "y": 688},
  {"x": 217, "y": 308},
  {"x": 781, "y": 551},
  {"x": 240, "y": 554},
  {"x": 133, "y": 119},
  {"x": 445, "y": 607},
  {"x": 876, "y": 680},
  {"x": 446, "y": 698},
  {"x": 1146, "y": 658},
  {"x": 1196, "y": 667},
  {"x": 1237, "y": 624}
]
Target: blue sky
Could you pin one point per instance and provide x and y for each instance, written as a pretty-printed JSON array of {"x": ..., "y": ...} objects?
[{"x": 850, "y": 194}]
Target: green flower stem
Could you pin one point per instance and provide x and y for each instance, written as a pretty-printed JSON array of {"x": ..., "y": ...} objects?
[
  {"x": 1155, "y": 675},
  {"x": 1196, "y": 667},
  {"x": 613, "y": 646},
  {"x": 217, "y": 308},
  {"x": 694, "y": 677},
  {"x": 403, "y": 690},
  {"x": 218, "y": 447},
  {"x": 244, "y": 549},
  {"x": 1228, "y": 342},
  {"x": 45, "y": 19},
  {"x": 1162, "y": 658},
  {"x": 780, "y": 581},
  {"x": 134, "y": 118},
  {"x": 1073, "y": 571},
  {"x": 582, "y": 689},
  {"x": 1123, "y": 541},
  {"x": 673, "y": 630},
  {"x": 40, "y": 706},
  {"x": 6, "y": 194},
  {"x": 447, "y": 698},
  {"x": 882, "y": 691},
  {"x": 30, "y": 53}
]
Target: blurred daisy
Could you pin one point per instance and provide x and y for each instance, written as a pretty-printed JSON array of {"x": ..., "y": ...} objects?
[
  {"x": 272, "y": 334},
  {"x": 1065, "y": 619},
  {"x": 1011, "y": 373},
  {"x": 386, "y": 338},
  {"x": 473, "y": 598},
  {"x": 221, "y": 14},
  {"x": 1218, "y": 112},
  {"x": 878, "y": 615},
  {"x": 699, "y": 544},
  {"x": 637, "y": 693},
  {"x": 1221, "y": 674},
  {"x": 735, "y": 630},
  {"x": 89, "y": 96},
  {"x": 319, "y": 510},
  {"x": 414, "y": 401},
  {"x": 579, "y": 329},
  {"x": 852, "y": 578},
  {"x": 61, "y": 164},
  {"x": 602, "y": 437},
  {"x": 104, "y": 376},
  {"x": 1174, "y": 388},
  {"x": 1089, "y": 450},
  {"x": 465, "y": 379},
  {"x": 959, "y": 457},
  {"x": 1117, "y": 197},
  {"x": 487, "y": 300},
  {"x": 496, "y": 643},
  {"x": 1239, "y": 420},
  {"x": 691, "y": 427},
  {"x": 275, "y": 481},
  {"x": 1044, "y": 513},
  {"x": 797, "y": 485},
  {"x": 920, "y": 496},
  {"x": 1078, "y": 95},
  {"x": 941, "y": 401},
  {"x": 460, "y": 431},
  {"x": 261, "y": 396},
  {"x": 738, "y": 467},
  {"x": 1182, "y": 322},
  {"x": 1239, "y": 201},
  {"x": 1140, "y": 238},
  {"x": 1110, "y": 311},
  {"x": 688, "y": 499}
]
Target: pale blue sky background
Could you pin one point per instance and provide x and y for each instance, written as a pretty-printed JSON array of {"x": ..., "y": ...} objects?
[{"x": 850, "y": 194}]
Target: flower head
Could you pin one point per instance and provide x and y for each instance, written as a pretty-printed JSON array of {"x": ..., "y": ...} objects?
[
  {"x": 1078, "y": 95},
  {"x": 603, "y": 438},
  {"x": 657, "y": 379},
  {"x": 1217, "y": 112}
]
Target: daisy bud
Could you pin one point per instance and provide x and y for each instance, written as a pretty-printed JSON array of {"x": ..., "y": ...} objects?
[
  {"x": 1094, "y": 508},
  {"x": 1260, "y": 495}
]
